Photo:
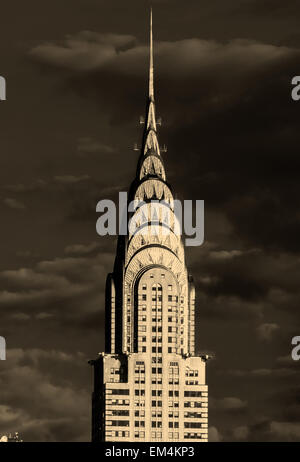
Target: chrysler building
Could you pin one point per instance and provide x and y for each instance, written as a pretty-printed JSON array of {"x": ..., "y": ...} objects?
[{"x": 149, "y": 385}]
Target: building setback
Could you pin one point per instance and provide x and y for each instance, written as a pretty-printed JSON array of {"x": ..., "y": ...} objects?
[{"x": 149, "y": 385}]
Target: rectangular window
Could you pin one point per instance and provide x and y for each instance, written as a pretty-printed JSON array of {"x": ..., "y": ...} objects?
[{"x": 116, "y": 391}]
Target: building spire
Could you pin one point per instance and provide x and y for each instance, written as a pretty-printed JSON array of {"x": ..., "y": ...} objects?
[
  {"x": 150, "y": 138},
  {"x": 151, "y": 67}
]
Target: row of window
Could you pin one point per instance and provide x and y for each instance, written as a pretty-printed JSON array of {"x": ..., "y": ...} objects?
[
  {"x": 118, "y": 402},
  {"x": 116, "y": 391},
  {"x": 190, "y": 404},
  {"x": 195, "y": 404},
  {"x": 118, "y": 433},
  {"x": 190, "y": 373},
  {"x": 195, "y": 425},
  {"x": 195, "y": 415},
  {"x": 117, "y": 423},
  {"x": 154, "y": 307},
  {"x": 154, "y": 424},
  {"x": 143, "y": 349},
  {"x": 158, "y": 360},
  {"x": 156, "y": 435},
  {"x": 194, "y": 435},
  {"x": 194, "y": 393},
  {"x": 117, "y": 412},
  {"x": 171, "y": 414},
  {"x": 156, "y": 287},
  {"x": 171, "y": 298}
]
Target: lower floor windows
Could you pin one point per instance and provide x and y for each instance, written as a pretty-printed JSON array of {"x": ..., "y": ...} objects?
[
  {"x": 173, "y": 404},
  {"x": 118, "y": 423},
  {"x": 194, "y": 404},
  {"x": 139, "y": 423},
  {"x": 173, "y": 424},
  {"x": 156, "y": 434},
  {"x": 194, "y": 436},
  {"x": 193, "y": 425},
  {"x": 119, "y": 434},
  {"x": 156, "y": 403},
  {"x": 156, "y": 424}
]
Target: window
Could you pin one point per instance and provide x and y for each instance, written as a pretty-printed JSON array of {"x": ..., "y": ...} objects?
[
  {"x": 139, "y": 392},
  {"x": 156, "y": 392},
  {"x": 192, "y": 425},
  {"x": 120, "y": 412},
  {"x": 173, "y": 393},
  {"x": 193, "y": 393},
  {"x": 120, "y": 423},
  {"x": 116, "y": 391}
]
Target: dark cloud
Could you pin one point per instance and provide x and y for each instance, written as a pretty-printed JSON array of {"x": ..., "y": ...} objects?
[
  {"x": 266, "y": 331},
  {"x": 70, "y": 179},
  {"x": 44, "y": 407},
  {"x": 228, "y": 404},
  {"x": 14, "y": 204},
  {"x": 91, "y": 146}
]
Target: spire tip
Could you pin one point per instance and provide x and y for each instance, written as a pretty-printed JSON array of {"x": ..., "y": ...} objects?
[{"x": 151, "y": 69}]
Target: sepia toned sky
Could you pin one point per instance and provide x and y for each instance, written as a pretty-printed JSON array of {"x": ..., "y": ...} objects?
[{"x": 76, "y": 76}]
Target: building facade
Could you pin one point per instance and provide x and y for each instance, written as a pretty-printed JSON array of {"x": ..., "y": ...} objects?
[{"x": 149, "y": 385}]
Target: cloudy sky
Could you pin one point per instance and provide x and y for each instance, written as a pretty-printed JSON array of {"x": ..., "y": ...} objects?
[{"x": 76, "y": 76}]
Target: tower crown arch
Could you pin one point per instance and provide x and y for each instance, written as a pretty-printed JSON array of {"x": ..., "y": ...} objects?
[
  {"x": 156, "y": 276},
  {"x": 142, "y": 240},
  {"x": 160, "y": 257},
  {"x": 155, "y": 218},
  {"x": 152, "y": 165},
  {"x": 154, "y": 188}
]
